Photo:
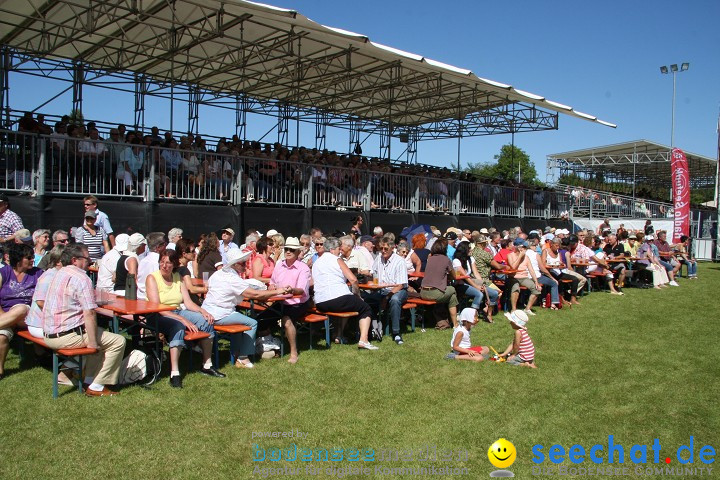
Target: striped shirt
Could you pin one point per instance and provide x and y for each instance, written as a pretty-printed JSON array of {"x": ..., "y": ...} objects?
[
  {"x": 70, "y": 293},
  {"x": 526, "y": 350},
  {"x": 391, "y": 272},
  {"x": 94, "y": 243}
]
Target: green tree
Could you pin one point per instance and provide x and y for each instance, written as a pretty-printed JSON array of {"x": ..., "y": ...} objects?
[{"x": 506, "y": 166}]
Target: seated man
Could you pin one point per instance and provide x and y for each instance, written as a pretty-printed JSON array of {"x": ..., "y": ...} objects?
[
  {"x": 69, "y": 321},
  {"x": 615, "y": 250},
  {"x": 391, "y": 271},
  {"x": 294, "y": 276}
]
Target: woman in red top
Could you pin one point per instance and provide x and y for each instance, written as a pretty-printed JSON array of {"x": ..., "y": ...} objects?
[{"x": 263, "y": 265}]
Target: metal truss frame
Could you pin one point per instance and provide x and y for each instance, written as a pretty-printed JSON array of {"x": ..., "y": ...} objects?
[{"x": 256, "y": 59}]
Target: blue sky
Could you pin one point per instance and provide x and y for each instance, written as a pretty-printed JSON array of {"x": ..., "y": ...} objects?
[{"x": 602, "y": 58}]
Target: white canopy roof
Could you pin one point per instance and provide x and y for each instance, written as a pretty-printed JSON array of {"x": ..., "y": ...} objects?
[{"x": 233, "y": 46}]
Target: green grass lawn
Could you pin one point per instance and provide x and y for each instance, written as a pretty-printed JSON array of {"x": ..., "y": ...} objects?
[{"x": 637, "y": 367}]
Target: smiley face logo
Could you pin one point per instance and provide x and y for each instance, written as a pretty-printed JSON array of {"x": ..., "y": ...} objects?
[{"x": 502, "y": 453}]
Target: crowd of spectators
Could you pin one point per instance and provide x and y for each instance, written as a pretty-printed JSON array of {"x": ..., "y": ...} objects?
[
  {"x": 44, "y": 283},
  {"x": 189, "y": 167}
]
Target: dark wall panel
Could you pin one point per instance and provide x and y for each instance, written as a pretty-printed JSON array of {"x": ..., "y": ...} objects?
[{"x": 59, "y": 212}]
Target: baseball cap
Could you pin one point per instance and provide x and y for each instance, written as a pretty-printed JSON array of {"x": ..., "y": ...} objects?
[
  {"x": 90, "y": 214},
  {"x": 469, "y": 315},
  {"x": 271, "y": 232},
  {"x": 367, "y": 238},
  {"x": 24, "y": 235},
  {"x": 519, "y": 242},
  {"x": 451, "y": 236},
  {"x": 136, "y": 239},
  {"x": 484, "y": 231},
  {"x": 633, "y": 236},
  {"x": 229, "y": 230}
]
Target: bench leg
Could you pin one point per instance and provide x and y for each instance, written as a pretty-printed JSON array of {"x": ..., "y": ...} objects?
[
  {"x": 80, "y": 373},
  {"x": 327, "y": 333},
  {"x": 56, "y": 372},
  {"x": 412, "y": 319},
  {"x": 216, "y": 350}
]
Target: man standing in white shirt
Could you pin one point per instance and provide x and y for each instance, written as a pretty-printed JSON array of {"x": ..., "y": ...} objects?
[{"x": 108, "y": 263}]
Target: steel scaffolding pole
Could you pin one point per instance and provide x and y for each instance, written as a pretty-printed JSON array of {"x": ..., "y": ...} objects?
[
  {"x": 5, "y": 67},
  {"x": 141, "y": 89},
  {"x": 78, "y": 81}
]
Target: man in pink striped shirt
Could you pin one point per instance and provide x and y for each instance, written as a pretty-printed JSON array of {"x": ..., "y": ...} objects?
[
  {"x": 69, "y": 321},
  {"x": 294, "y": 276}
]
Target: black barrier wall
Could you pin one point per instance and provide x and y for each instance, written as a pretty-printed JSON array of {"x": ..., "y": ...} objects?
[{"x": 64, "y": 213}]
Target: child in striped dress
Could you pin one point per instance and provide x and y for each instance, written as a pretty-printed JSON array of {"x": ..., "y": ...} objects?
[{"x": 521, "y": 350}]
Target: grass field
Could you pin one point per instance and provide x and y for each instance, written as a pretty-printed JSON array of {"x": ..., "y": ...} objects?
[{"x": 637, "y": 367}]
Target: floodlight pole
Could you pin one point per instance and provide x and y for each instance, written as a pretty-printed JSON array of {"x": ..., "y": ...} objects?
[{"x": 674, "y": 69}]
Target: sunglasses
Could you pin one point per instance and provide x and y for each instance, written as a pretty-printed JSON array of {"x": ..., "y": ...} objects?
[
  {"x": 385, "y": 249},
  {"x": 88, "y": 204},
  {"x": 287, "y": 249},
  {"x": 319, "y": 244},
  {"x": 62, "y": 241}
]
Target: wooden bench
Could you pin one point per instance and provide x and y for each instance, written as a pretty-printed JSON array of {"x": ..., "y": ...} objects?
[
  {"x": 419, "y": 302},
  {"x": 226, "y": 331},
  {"x": 62, "y": 352},
  {"x": 246, "y": 305}
]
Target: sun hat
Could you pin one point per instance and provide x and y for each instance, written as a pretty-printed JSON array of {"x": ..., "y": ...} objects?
[
  {"x": 484, "y": 231},
  {"x": 121, "y": 242},
  {"x": 481, "y": 239},
  {"x": 236, "y": 255},
  {"x": 469, "y": 315},
  {"x": 271, "y": 232},
  {"x": 519, "y": 318},
  {"x": 293, "y": 242}
]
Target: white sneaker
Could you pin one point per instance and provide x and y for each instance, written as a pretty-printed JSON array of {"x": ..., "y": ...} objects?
[
  {"x": 367, "y": 346},
  {"x": 529, "y": 312},
  {"x": 674, "y": 284}
]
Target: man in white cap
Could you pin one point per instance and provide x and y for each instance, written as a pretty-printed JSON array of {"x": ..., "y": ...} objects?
[
  {"x": 108, "y": 263},
  {"x": 293, "y": 276},
  {"x": 226, "y": 289},
  {"x": 227, "y": 243}
]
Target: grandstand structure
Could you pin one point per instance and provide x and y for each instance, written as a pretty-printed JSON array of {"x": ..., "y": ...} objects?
[
  {"x": 251, "y": 58},
  {"x": 628, "y": 167},
  {"x": 254, "y": 58}
]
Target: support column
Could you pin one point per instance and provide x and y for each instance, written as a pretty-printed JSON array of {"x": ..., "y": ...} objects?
[
  {"x": 412, "y": 146},
  {"x": 385, "y": 141},
  {"x": 354, "y": 137},
  {"x": 5, "y": 67},
  {"x": 241, "y": 109},
  {"x": 194, "y": 97},
  {"x": 78, "y": 81},
  {"x": 141, "y": 89},
  {"x": 282, "y": 125},
  {"x": 321, "y": 121}
]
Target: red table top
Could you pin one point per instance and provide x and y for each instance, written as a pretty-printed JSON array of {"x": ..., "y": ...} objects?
[{"x": 123, "y": 306}]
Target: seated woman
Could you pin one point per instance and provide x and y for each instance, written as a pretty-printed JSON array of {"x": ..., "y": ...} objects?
[
  {"x": 648, "y": 261},
  {"x": 553, "y": 262},
  {"x": 412, "y": 264},
  {"x": 435, "y": 283},
  {"x": 186, "y": 249},
  {"x": 686, "y": 258},
  {"x": 209, "y": 258},
  {"x": 164, "y": 286},
  {"x": 41, "y": 240},
  {"x": 17, "y": 285},
  {"x": 419, "y": 251},
  {"x": 34, "y": 316},
  {"x": 226, "y": 289},
  {"x": 484, "y": 263},
  {"x": 127, "y": 264},
  {"x": 464, "y": 265},
  {"x": 330, "y": 276},
  {"x": 263, "y": 265}
]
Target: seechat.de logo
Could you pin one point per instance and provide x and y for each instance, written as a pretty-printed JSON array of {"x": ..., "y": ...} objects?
[{"x": 616, "y": 453}]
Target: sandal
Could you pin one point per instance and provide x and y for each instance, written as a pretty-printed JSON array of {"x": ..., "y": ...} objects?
[{"x": 553, "y": 307}]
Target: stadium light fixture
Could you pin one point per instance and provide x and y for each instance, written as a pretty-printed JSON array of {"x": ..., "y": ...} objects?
[{"x": 664, "y": 70}]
